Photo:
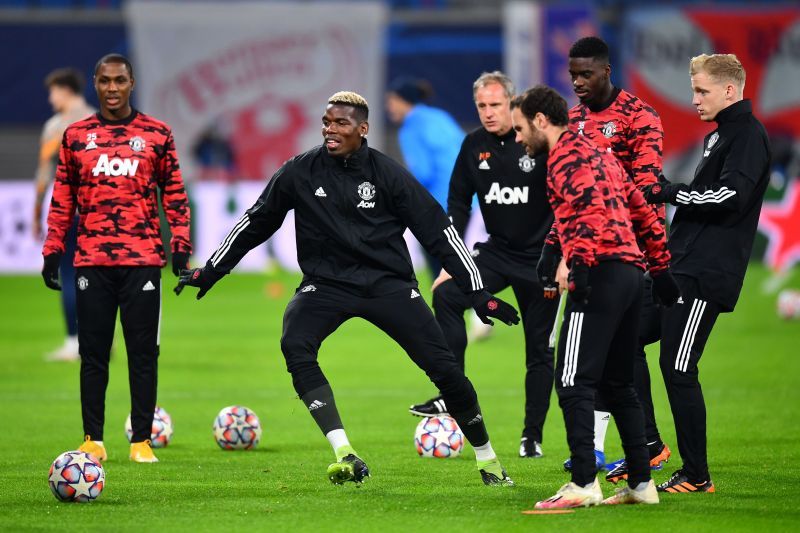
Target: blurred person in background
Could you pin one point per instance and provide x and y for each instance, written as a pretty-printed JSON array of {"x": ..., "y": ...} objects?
[
  {"x": 429, "y": 140},
  {"x": 65, "y": 87},
  {"x": 512, "y": 196},
  {"x": 113, "y": 167}
]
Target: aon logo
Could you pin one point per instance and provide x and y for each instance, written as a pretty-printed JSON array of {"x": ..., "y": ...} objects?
[
  {"x": 115, "y": 167},
  {"x": 507, "y": 195},
  {"x": 365, "y": 204}
]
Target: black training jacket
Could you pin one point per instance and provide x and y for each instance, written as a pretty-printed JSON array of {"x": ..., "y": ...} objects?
[
  {"x": 714, "y": 225},
  {"x": 511, "y": 188},
  {"x": 350, "y": 215}
]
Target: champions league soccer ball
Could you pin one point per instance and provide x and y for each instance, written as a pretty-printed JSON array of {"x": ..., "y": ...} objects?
[
  {"x": 438, "y": 436},
  {"x": 160, "y": 434},
  {"x": 76, "y": 477},
  {"x": 789, "y": 304},
  {"x": 237, "y": 428}
]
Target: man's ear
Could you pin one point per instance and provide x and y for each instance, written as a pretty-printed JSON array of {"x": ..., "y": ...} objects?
[{"x": 363, "y": 128}]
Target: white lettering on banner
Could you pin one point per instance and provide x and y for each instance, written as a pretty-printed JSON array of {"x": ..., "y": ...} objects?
[
  {"x": 506, "y": 195},
  {"x": 115, "y": 167},
  {"x": 217, "y": 207},
  {"x": 365, "y": 204}
]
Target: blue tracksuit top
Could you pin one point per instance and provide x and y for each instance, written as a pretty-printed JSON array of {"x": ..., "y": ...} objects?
[{"x": 430, "y": 140}]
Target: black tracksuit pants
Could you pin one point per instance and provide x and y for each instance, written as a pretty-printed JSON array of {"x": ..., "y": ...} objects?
[
  {"x": 684, "y": 329},
  {"x": 596, "y": 349},
  {"x": 499, "y": 270},
  {"x": 136, "y": 292},
  {"x": 317, "y": 310}
]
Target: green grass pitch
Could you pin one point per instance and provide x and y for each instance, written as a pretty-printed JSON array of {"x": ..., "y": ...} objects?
[{"x": 224, "y": 350}]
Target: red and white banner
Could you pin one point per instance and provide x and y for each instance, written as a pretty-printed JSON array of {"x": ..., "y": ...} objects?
[
  {"x": 657, "y": 47},
  {"x": 247, "y": 82}
]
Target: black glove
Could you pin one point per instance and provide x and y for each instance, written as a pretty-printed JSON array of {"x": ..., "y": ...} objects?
[
  {"x": 579, "y": 289},
  {"x": 487, "y": 305},
  {"x": 665, "y": 289},
  {"x": 50, "y": 271},
  {"x": 547, "y": 266},
  {"x": 663, "y": 192},
  {"x": 180, "y": 261},
  {"x": 204, "y": 278}
]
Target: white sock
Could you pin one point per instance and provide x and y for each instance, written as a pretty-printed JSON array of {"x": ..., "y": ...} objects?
[
  {"x": 642, "y": 485},
  {"x": 337, "y": 438},
  {"x": 485, "y": 452},
  {"x": 601, "y": 419},
  {"x": 98, "y": 442}
]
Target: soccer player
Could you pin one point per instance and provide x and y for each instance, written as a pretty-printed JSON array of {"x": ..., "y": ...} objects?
[
  {"x": 65, "y": 87},
  {"x": 511, "y": 193},
  {"x": 112, "y": 168},
  {"x": 599, "y": 214},
  {"x": 619, "y": 122},
  {"x": 429, "y": 139},
  {"x": 352, "y": 205},
  {"x": 711, "y": 239}
]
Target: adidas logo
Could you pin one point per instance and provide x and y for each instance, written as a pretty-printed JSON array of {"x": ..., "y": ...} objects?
[
  {"x": 321, "y": 193},
  {"x": 91, "y": 146},
  {"x": 680, "y": 299},
  {"x": 475, "y": 420},
  {"x": 414, "y": 293},
  {"x": 316, "y": 404},
  {"x": 606, "y": 417},
  {"x": 149, "y": 286},
  {"x": 484, "y": 165}
]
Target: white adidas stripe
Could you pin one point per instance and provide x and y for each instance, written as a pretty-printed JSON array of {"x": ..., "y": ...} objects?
[
  {"x": 466, "y": 258},
  {"x": 707, "y": 197},
  {"x": 573, "y": 346},
  {"x": 226, "y": 244},
  {"x": 689, "y": 332}
]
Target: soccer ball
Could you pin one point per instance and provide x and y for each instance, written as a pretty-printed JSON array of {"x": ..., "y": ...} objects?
[
  {"x": 76, "y": 477},
  {"x": 789, "y": 304},
  {"x": 237, "y": 428},
  {"x": 439, "y": 436},
  {"x": 161, "y": 432}
]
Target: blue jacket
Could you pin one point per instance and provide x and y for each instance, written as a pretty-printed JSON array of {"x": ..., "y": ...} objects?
[{"x": 430, "y": 140}]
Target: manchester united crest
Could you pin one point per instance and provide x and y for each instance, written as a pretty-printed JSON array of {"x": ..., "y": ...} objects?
[
  {"x": 609, "y": 129},
  {"x": 366, "y": 191},
  {"x": 526, "y": 164},
  {"x": 136, "y": 144}
]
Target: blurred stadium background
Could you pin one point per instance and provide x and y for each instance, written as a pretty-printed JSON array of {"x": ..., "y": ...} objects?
[{"x": 242, "y": 83}]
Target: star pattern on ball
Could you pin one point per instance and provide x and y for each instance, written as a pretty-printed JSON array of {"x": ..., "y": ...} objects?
[
  {"x": 81, "y": 458},
  {"x": 56, "y": 477},
  {"x": 83, "y": 487},
  {"x": 442, "y": 435}
]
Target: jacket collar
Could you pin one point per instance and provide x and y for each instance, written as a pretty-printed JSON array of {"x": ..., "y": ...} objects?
[
  {"x": 355, "y": 161},
  {"x": 733, "y": 111}
]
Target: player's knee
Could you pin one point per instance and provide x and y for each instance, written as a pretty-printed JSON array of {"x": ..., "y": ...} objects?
[
  {"x": 447, "y": 296},
  {"x": 569, "y": 396},
  {"x": 616, "y": 396}
]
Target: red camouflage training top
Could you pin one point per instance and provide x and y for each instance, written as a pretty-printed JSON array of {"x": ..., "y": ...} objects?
[
  {"x": 599, "y": 213},
  {"x": 112, "y": 172},
  {"x": 631, "y": 130}
]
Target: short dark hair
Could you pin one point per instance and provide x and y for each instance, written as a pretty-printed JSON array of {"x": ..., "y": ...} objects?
[
  {"x": 67, "y": 77},
  {"x": 545, "y": 100},
  {"x": 592, "y": 47},
  {"x": 114, "y": 58}
]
